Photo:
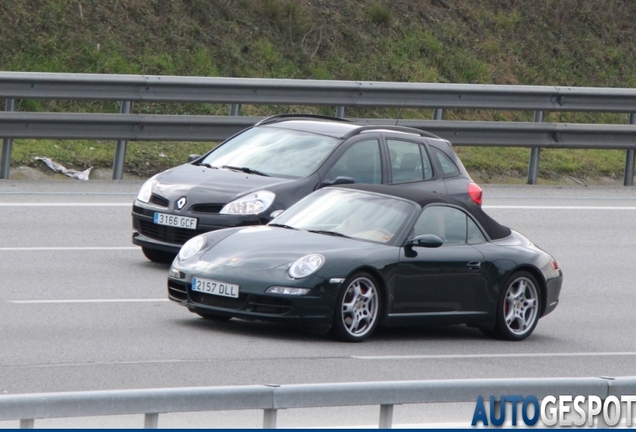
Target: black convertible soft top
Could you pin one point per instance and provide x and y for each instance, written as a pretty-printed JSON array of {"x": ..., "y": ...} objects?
[{"x": 493, "y": 228}]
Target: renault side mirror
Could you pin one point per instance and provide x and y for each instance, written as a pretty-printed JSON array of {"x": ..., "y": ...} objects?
[
  {"x": 338, "y": 181},
  {"x": 276, "y": 213}
]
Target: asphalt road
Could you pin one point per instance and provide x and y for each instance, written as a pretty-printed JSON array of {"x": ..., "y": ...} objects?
[{"x": 82, "y": 309}]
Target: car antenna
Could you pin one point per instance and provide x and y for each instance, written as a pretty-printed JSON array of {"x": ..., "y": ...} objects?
[{"x": 397, "y": 120}]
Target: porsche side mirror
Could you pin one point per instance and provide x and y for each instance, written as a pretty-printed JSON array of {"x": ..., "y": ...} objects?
[
  {"x": 193, "y": 157},
  {"x": 276, "y": 213},
  {"x": 338, "y": 181},
  {"x": 425, "y": 240}
]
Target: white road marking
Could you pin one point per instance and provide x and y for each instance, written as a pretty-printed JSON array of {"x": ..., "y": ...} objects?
[
  {"x": 64, "y": 204},
  {"x": 72, "y": 193},
  {"x": 561, "y": 198},
  {"x": 87, "y": 301},
  {"x": 513, "y": 207},
  {"x": 70, "y": 248},
  {"x": 488, "y": 356}
]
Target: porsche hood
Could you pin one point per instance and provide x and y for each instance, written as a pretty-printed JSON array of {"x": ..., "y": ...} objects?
[{"x": 265, "y": 247}]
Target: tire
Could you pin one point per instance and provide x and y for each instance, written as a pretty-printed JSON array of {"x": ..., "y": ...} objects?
[
  {"x": 158, "y": 256},
  {"x": 518, "y": 307},
  {"x": 212, "y": 316},
  {"x": 358, "y": 308}
]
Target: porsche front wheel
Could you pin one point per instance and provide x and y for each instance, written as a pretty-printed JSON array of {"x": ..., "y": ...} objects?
[{"x": 357, "y": 309}]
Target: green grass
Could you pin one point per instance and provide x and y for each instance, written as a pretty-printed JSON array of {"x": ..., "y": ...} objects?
[
  {"x": 147, "y": 158},
  {"x": 554, "y": 163},
  {"x": 553, "y": 43},
  {"x": 142, "y": 158}
]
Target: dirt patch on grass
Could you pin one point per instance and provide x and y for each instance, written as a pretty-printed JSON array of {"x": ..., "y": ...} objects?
[{"x": 44, "y": 174}]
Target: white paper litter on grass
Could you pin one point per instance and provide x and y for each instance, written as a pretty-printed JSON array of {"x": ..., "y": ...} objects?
[{"x": 79, "y": 175}]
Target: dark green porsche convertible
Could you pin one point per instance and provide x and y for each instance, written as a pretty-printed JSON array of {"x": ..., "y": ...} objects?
[{"x": 350, "y": 258}]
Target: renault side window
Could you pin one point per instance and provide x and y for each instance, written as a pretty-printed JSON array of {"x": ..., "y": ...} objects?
[
  {"x": 361, "y": 161},
  {"x": 406, "y": 161},
  {"x": 448, "y": 166},
  {"x": 409, "y": 162}
]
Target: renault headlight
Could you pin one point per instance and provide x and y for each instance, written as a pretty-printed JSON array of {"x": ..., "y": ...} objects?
[
  {"x": 191, "y": 247},
  {"x": 306, "y": 265},
  {"x": 253, "y": 203},
  {"x": 146, "y": 190}
]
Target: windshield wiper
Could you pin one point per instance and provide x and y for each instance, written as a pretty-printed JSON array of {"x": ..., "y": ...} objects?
[
  {"x": 333, "y": 233},
  {"x": 247, "y": 170},
  {"x": 207, "y": 165},
  {"x": 282, "y": 226}
]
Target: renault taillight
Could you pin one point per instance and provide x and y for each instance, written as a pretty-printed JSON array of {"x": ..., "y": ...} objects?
[{"x": 475, "y": 192}]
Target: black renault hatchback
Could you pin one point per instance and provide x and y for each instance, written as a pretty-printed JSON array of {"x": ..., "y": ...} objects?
[{"x": 278, "y": 161}]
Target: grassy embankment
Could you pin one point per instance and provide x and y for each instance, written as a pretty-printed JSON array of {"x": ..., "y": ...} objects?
[{"x": 547, "y": 42}]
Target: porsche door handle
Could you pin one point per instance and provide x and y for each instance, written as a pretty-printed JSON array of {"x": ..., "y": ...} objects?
[{"x": 474, "y": 265}]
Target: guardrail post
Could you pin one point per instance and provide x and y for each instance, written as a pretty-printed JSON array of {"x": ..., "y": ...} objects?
[
  {"x": 340, "y": 112},
  {"x": 269, "y": 418},
  {"x": 120, "y": 151},
  {"x": 386, "y": 416},
  {"x": 151, "y": 421},
  {"x": 533, "y": 167},
  {"x": 235, "y": 109},
  {"x": 27, "y": 424},
  {"x": 437, "y": 113},
  {"x": 6, "y": 145},
  {"x": 629, "y": 169},
  {"x": 629, "y": 159}
]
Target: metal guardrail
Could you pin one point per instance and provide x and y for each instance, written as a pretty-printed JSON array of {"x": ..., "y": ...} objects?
[
  {"x": 339, "y": 94},
  {"x": 259, "y": 91},
  {"x": 138, "y": 127},
  {"x": 271, "y": 398}
]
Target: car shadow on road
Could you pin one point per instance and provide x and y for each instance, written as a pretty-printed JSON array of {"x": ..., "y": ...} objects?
[
  {"x": 244, "y": 328},
  {"x": 155, "y": 265},
  {"x": 281, "y": 332}
]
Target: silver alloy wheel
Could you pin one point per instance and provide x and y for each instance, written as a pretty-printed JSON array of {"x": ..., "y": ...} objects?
[
  {"x": 521, "y": 306},
  {"x": 360, "y": 307}
]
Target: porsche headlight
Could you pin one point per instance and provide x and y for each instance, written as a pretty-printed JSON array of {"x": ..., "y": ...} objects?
[
  {"x": 146, "y": 190},
  {"x": 306, "y": 265},
  {"x": 253, "y": 203},
  {"x": 191, "y": 247}
]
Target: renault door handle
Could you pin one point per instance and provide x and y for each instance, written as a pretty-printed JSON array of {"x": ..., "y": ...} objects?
[{"x": 474, "y": 265}]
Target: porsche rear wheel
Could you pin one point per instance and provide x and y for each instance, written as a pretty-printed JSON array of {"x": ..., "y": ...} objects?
[
  {"x": 357, "y": 309},
  {"x": 158, "y": 256},
  {"x": 518, "y": 308}
]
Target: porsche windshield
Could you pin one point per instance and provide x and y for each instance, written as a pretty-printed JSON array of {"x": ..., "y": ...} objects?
[
  {"x": 273, "y": 152},
  {"x": 349, "y": 213}
]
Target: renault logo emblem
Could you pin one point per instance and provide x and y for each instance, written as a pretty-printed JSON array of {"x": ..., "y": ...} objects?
[{"x": 181, "y": 202}]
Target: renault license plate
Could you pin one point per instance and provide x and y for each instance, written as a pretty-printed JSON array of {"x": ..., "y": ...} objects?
[{"x": 175, "y": 221}]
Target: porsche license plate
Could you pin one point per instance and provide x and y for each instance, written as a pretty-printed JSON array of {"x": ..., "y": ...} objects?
[
  {"x": 175, "y": 221},
  {"x": 209, "y": 286}
]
